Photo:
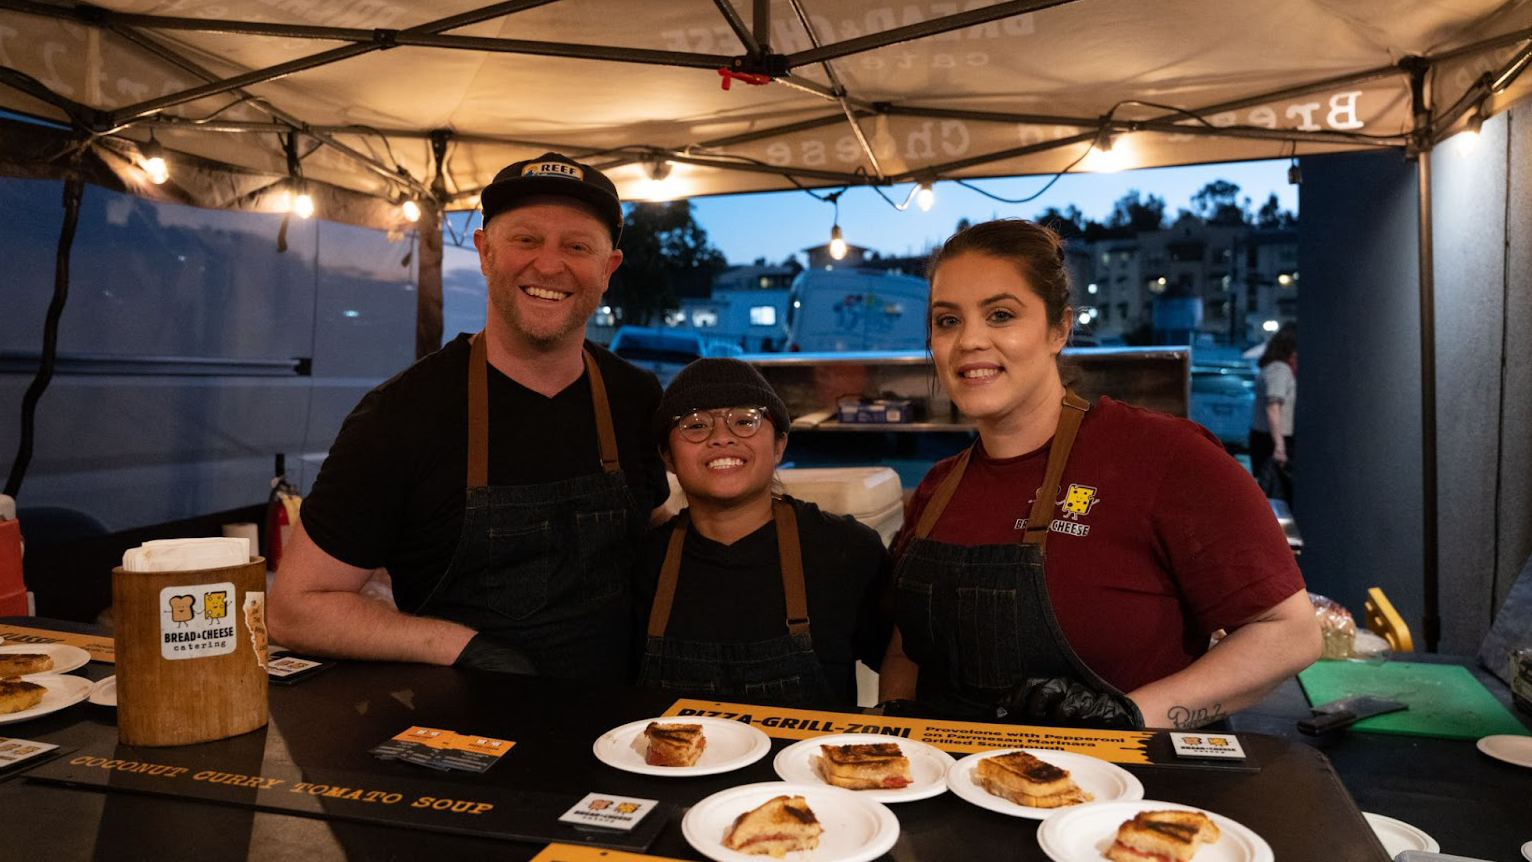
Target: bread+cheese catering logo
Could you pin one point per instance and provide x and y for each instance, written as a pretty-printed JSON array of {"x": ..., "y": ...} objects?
[{"x": 195, "y": 621}]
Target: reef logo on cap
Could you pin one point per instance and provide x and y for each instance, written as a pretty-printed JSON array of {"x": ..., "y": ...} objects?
[{"x": 562, "y": 170}]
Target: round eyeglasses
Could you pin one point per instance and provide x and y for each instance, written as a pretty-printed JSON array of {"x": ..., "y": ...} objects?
[{"x": 742, "y": 422}]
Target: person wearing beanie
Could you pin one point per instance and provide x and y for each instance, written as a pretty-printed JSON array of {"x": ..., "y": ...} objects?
[
  {"x": 504, "y": 482},
  {"x": 745, "y": 595}
]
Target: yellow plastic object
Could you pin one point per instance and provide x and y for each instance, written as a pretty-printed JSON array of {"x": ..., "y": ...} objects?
[{"x": 1382, "y": 619}]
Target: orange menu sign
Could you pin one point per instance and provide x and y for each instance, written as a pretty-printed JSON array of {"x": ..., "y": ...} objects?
[
  {"x": 1117, "y": 746},
  {"x": 99, "y": 647},
  {"x": 576, "y": 853}
]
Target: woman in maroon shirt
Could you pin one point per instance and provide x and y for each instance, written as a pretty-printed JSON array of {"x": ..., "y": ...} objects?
[{"x": 1153, "y": 537}]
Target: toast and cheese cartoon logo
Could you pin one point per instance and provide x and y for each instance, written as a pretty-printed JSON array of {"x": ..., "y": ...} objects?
[
  {"x": 1078, "y": 500},
  {"x": 195, "y": 621}
]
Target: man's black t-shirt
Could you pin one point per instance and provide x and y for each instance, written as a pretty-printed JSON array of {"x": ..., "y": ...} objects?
[
  {"x": 391, "y": 493},
  {"x": 733, "y": 593}
]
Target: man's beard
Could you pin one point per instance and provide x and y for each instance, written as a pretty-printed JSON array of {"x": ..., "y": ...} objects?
[{"x": 504, "y": 303}]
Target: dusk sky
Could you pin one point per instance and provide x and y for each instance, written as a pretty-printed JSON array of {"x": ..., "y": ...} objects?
[{"x": 775, "y": 225}]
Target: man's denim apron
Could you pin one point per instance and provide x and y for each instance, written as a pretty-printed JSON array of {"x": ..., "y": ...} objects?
[{"x": 545, "y": 567}]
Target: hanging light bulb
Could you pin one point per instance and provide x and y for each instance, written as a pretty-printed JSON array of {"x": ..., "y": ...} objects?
[
  {"x": 837, "y": 243},
  {"x": 1467, "y": 140},
  {"x": 154, "y": 161},
  {"x": 303, "y": 204},
  {"x": 656, "y": 186},
  {"x": 411, "y": 210},
  {"x": 1105, "y": 156},
  {"x": 925, "y": 197}
]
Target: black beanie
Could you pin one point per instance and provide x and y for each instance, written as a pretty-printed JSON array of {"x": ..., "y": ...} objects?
[{"x": 707, "y": 384}]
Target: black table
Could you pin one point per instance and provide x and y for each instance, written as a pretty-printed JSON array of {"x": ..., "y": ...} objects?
[{"x": 323, "y": 727}]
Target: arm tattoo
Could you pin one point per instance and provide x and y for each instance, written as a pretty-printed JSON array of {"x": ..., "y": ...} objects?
[{"x": 1186, "y": 718}]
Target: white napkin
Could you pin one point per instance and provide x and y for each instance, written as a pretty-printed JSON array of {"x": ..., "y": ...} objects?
[{"x": 179, "y": 555}]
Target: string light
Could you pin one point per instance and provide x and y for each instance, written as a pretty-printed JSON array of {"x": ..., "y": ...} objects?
[
  {"x": 411, "y": 210},
  {"x": 1467, "y": 140},
  {"x": 1105, "y": 155},
  {"x": 303, "y": 203},
  {"x": 837, "y": 243},
  {"x": 657, "y": 186},
  {"x": 154, "y": 161},
  {"x": 925, "y": 197}
]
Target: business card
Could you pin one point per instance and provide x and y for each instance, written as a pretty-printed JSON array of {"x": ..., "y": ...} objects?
[
  {"x": 608, "y": 811},
  {"x": 289, "y": 668},
  {"x": 15, "y": 751},
  {"x": 418, "y": 745},
  {"x": 1222, "y": 746},
  {"x": 473, "y": 753}
]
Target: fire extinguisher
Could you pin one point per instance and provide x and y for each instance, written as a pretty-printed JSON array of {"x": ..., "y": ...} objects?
[{"x": 281, "y": 515}]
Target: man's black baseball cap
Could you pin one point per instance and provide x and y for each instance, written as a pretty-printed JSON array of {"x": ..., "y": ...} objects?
[{"x": 553, "y": 174}]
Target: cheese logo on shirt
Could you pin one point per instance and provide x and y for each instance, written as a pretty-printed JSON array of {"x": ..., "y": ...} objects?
[{"x": 1077, "y": 501}]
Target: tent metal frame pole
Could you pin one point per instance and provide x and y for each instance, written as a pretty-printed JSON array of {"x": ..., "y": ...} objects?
[
  {"x": 751, "y": 41},
  {"x": 931, "y": 27},
  {"x": 838, "y": 89},
  {"x": 1419, "y": 70},
  {"x": 170, "y": 56}
]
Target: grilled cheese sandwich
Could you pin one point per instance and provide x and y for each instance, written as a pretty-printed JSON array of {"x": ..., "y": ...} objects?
[
  {"x": 1027, "y": 780},
  {"x": 776, "y": 827},
  {"x": 674, "y": 744},
  {"x": 879, "y": 765},
  {"x": 1162, "y": 836}
]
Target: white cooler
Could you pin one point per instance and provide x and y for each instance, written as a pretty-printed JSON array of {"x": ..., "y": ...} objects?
[{"x": 872, "y": 495}]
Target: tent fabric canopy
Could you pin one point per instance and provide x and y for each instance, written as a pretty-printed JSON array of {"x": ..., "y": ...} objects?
[{"x": 393, "y": 100}]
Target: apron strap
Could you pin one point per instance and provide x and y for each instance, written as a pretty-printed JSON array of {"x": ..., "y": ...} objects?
[
  {"x": 943, "y": 494},
  {"x": 789, "y": 552},
  {"x": 670, "y": 572},
  {"x": 791, "y": 556},
  {"x": 1036, "y": 532},
  {"x": 604, "y": 431},
  {"x": 478, "y": 413}
]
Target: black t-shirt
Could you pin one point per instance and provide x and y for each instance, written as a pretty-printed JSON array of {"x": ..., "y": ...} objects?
[
  {"x": 733, "y": 593},
  {"x": 392, "y": 491}
]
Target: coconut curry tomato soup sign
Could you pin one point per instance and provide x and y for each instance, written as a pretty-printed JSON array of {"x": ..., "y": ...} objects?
[
  {"x": 393, "y": 797},
  {"x": 99, "y": 647},
  {"x": 1117, "y": 746}
]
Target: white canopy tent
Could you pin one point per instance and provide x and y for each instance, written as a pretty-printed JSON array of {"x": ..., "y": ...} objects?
[{"x": 370, "y": 102}]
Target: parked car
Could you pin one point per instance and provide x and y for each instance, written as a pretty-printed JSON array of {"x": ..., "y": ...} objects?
[
  {"x": 667, "y": 351},
  {"x": 1221, "y": 400},
  {"x": 837, "y": 310}
]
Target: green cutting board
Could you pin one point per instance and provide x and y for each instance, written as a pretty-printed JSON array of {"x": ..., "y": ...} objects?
[{"x": 1444, "y": 700}]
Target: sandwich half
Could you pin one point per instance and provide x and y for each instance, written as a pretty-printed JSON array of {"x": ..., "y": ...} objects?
[
  {"x": 1026, "y": 780},
  {"x": 1162, "y": 836},
  {"x": 18, "y": 694},
  {"x": 778, "y": 826},
  {"x": 674, "y": 744},
  {"x": 23, "y": 663},
  {"x": 869, "y": 766}
]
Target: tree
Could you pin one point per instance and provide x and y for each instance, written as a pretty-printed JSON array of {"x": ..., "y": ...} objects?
[
  {"x": 1217, "y": 204},
  {"x": 1271, "y": 215},
  {"x": 1069, "y": 224},
  {"x": 666, "y": 255},
  {"x": 1137, "y": 213}
]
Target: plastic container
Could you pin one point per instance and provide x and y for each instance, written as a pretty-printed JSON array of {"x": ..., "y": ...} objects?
[{"x": 872, "y": 495}]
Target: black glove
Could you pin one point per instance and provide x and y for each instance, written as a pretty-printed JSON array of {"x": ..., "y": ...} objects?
[
  {"x": 487, "y": 652},
  {"x": 1060, "y": 701},
  {"x": 901, "y": 708}
]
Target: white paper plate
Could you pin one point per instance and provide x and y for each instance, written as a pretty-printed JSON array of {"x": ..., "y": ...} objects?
[
  {"x": 1083, "y": 833},
  {"x": 799, "y": 763},
  {"x": 61, "y": 691},
  {"x": 1398, "y": 836},
  {"x": 856, "y": 828},
  {"x": 730, "y": 745},
  {"x": 1508, "y": 747},
  {"x": 65, "y": 657},
  {"x": 1103, "y": 780},
  {"x": 1526, "y": 850},
  {"x": 104, "y": 693}
]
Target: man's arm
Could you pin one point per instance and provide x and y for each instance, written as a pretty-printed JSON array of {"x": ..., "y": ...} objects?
[
  {"x": 1237, "y": 672},
  {"x": 316, "y": 606},
  {"x": 897, "y": 675}
]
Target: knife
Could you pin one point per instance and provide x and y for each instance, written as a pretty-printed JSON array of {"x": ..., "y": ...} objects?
[{"x": 1345, "y": 712}]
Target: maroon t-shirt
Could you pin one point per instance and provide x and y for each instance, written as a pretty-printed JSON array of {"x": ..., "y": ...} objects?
[{"x": 1158, "y": 538}]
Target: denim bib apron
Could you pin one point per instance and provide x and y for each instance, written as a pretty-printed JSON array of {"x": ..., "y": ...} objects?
[
  {"x": 977, "y": 618},
  {"x": 545, "y": 566},
  {"x": 782, "y": 670}
]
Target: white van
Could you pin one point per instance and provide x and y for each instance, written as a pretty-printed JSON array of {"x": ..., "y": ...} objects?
[{"x": 837, "y": 310}]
